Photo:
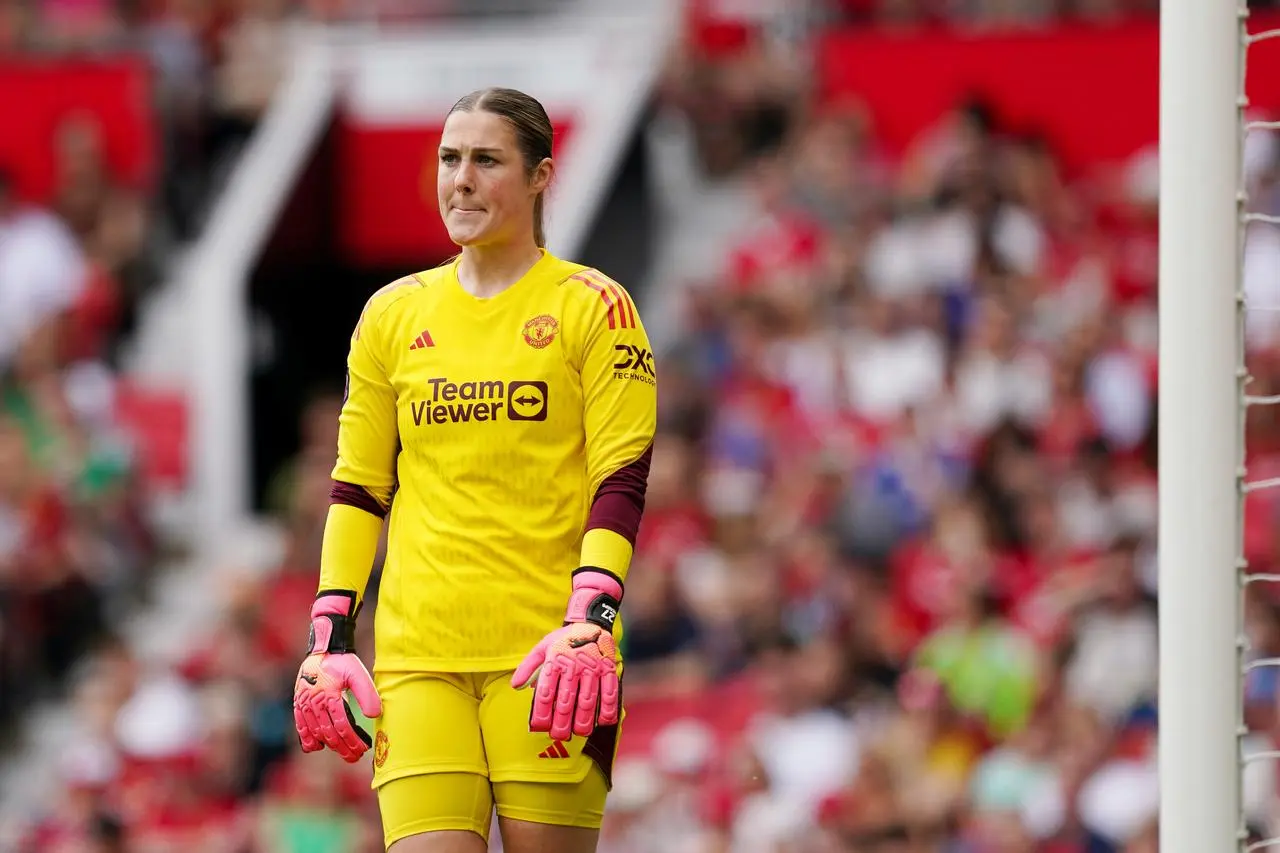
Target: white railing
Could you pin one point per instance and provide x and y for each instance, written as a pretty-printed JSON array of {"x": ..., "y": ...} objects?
[{"x": 213, "y": 285}]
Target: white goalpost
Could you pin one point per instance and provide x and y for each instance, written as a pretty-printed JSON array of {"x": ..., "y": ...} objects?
[{"x": 1200, "y": 431}]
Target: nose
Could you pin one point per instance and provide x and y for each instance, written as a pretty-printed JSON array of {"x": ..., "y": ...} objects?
[{"x": 462, "y": 179}]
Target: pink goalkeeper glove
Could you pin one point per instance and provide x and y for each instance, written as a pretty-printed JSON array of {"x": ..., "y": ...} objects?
[
  {"x": 575, "y": 668},
  {"x": 320, "y": 710}
]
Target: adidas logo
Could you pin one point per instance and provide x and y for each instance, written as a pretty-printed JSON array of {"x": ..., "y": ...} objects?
[
  {"x": 423, "y": 340},
  {"x": 556, "y": 750}
]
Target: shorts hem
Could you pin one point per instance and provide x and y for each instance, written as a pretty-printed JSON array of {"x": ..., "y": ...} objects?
[
  {"x": 549, "y": 776},
  {"x": 537, "y": 816},
  {"x": 434, "y": 824},
  {"x": 385, "y": 776}
]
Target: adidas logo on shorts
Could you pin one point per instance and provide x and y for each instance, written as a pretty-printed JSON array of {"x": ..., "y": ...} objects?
[{"x": 556, "y": 750}]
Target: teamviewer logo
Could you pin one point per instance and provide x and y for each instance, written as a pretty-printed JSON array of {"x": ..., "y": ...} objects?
[{"x": 527, "y": 401}]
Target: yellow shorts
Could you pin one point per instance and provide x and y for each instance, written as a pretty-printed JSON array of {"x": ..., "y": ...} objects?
[{"x": 449, "y": 747}]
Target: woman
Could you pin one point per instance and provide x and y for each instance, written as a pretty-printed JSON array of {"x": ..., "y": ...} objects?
[{"x": 508, "y": 402}]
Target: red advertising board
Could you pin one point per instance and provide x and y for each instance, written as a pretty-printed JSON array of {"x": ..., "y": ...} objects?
[
  {"x": 39, "y": 95},
  {"x": 1092, "y": 91}
]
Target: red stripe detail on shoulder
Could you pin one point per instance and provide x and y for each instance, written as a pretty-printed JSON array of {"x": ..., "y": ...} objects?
[
  {"x": 629, "y": 317},
  {"x": 631, "y": 306},
  {"x": 403, "y": 281},
  {"x": 626, "y": 310},
  {"x": 585, "y": 278}
]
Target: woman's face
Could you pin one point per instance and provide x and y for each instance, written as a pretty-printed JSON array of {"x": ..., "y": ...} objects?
[{"x": 485, "y": 193}]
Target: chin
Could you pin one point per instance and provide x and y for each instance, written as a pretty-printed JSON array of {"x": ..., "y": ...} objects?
[
  {"x": 466, "y": 236},
  {"x": 468, "y": 231}
]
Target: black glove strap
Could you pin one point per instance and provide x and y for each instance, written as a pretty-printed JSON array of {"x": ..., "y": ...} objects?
[
  {"x": 603, "y": 611},
  {"x": 342, "y": 639},
  {"x": 602, "y": 608}
]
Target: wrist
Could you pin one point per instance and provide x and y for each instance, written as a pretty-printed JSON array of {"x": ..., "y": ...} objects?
[
  {"x": 596, "y": 598},
  {"x": 333, "y": 623}
]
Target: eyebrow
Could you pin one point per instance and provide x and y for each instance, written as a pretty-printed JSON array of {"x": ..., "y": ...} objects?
[{"x": 445, "y": 149}]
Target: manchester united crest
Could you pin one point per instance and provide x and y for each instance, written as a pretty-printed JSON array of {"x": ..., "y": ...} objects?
[
  {"x": 540, "y": 331},
  {"x": 380, "y": 746}
]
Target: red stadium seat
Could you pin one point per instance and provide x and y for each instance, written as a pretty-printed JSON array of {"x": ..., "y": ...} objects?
[{"x": 159, "y": 420}]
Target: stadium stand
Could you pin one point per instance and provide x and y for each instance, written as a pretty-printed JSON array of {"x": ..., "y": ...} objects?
[{"x": 902, "y": 506}]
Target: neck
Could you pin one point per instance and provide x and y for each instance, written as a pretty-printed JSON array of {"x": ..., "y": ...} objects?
[{"x": 486, "y": 271}]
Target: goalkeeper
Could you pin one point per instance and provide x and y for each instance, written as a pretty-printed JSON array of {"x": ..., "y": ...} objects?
[{"x": 507, "y": 401}]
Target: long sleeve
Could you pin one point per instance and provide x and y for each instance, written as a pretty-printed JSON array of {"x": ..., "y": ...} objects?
[
  {"x": 368, "y": 438},
  {"x": 349, "y": 547},
  {"x": 364, "y": 476},
  {"x": 620, "y": 399}
]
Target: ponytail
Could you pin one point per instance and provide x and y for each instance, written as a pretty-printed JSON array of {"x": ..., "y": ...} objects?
[{"x": 539, "y": 223}]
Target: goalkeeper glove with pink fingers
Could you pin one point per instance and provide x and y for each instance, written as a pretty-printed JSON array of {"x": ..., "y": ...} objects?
[
  {"x": 575, "y": 667},
  {"x": 320, "y": 710}
]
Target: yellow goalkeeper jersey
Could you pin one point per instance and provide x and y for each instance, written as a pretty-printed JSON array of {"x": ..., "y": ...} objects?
[{"x": 498, "y": 430}]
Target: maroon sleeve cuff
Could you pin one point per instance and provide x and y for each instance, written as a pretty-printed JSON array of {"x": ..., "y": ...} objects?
[
  {"x": 356, "y": 496},
  {"x": 619, "y": 502}
]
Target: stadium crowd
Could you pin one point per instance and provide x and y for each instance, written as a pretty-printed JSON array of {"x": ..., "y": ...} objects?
[
  {"x": 74, "y": 544},
  {"x": 895, "y": 589}
]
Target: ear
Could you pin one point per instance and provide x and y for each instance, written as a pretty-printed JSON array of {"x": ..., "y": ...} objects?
[{"x": 542, "y": 176}]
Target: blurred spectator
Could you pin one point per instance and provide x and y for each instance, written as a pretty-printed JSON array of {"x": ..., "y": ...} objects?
[
  {"x": 42, "y": 269},
  {"x": 254, "y": 50},
  {"x": 945, "y": 364},
  {"x": 76, "y": 549}
]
